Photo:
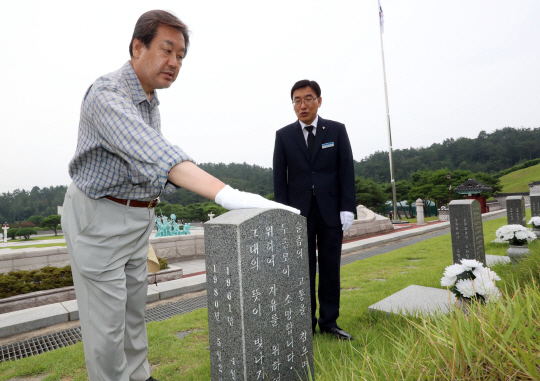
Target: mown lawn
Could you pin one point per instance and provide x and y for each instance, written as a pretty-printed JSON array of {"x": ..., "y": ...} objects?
[{"x": 518, "y": 181}]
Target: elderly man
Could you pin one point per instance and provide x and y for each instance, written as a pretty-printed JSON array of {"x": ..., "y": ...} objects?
[{"x": 121, "y": 165}]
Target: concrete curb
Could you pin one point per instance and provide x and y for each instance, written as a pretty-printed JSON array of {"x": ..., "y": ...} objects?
[
  {"x": 33, "y": 318},
  {"x": 27, "y": 320}
]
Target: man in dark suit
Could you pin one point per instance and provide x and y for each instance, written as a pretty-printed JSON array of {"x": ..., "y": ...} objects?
[{"x": 313, "y": 171}]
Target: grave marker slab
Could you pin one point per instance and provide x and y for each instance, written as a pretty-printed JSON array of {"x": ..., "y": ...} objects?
[
  {"x": 259, "y": 312},
  {"x": 467, "y": 231},
  {"x": 534, "y": 192},
  {"x": 515, "y": 210},
  {"x": 535, "y": 206}
]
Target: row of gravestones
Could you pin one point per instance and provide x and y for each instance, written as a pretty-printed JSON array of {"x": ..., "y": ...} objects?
[
  {"x": 466, "y": 225},
  {"x": 258, "y": 287}
]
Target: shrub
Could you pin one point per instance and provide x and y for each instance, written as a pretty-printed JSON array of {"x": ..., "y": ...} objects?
[
  {"x": 23, "y": 282},
  {"x": 163, "y": 264},
  {"x": 12, "y": 233},
  {"x": 37, "y": 220},
  {"x": 27, "y": 224},
  {"x": 26, "y": 232}
]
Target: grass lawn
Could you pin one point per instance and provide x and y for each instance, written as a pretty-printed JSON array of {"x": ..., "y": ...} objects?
[
  {"x": 385, "y": 347},
  {"x": 38, "y": 238},
  {"x": 35, "y": 245},
  {"x": 518, "y": 181}
]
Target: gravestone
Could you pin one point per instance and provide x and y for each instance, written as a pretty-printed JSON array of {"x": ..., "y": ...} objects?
[
  {"x": 259, "y": 313},
  {"x": 467, "y": 231},
  {"x": 515, "y": 210},
  {"x": 534, "y": 192},
  {"x": 419, "y": 212}
]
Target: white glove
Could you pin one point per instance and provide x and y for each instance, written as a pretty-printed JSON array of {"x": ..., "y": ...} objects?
[
  {"x": 232, "y": 199},
  {"x": 347, "y": 219}
]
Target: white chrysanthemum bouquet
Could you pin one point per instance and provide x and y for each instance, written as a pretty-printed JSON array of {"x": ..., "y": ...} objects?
[
  {"x": 471, "y": 279},
  {"x": 514, "y": 235},
  {"x": 535, "y": 221}
]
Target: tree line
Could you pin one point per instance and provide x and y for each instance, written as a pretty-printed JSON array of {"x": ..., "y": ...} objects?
[
  {"x": 489, "y": 153},
  {"x": 486, "y": 157}
]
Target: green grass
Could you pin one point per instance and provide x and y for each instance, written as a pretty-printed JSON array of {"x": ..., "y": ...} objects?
[
  {"x": 35, "y": 245},
  {"x": 385, "y": 348},
  {"x": 38, "y": 238},
  {"x": 518, "y": 181}
]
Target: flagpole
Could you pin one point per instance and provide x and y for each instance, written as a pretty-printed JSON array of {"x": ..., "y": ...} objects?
[{"x": 392, "y": 181}]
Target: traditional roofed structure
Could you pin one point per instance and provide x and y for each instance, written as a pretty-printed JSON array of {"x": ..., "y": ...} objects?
[
  {"x": 472, "y": 189},
  {"x": 471, "y": 186}
]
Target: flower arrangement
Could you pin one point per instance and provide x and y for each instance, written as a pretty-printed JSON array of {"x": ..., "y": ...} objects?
[
  {"x": 470, "y": 279},
  {"x": 535, "y": 221},
  {"x": 514, "y": 235}
]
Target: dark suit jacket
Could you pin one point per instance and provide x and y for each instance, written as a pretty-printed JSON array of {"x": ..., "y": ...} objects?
[{"x": 330, "y": 172}]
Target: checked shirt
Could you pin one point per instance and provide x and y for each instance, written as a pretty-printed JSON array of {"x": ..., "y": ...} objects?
[{"x": 120, "y": 149}]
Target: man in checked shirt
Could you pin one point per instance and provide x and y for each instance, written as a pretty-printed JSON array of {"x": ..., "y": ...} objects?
[{"x": 121, "y": 165}]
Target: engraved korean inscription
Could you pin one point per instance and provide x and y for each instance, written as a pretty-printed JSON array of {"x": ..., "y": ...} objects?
[
  {"x": 467, "y": 231},
  {"x": 258, "y": 296},
  {"x": 515, "y": 210}
]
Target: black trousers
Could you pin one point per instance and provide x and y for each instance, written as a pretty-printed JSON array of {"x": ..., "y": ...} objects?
[{"x": 328, "y": 239}]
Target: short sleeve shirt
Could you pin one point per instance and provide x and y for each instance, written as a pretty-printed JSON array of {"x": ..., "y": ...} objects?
[{"x": 121, "y": 151}]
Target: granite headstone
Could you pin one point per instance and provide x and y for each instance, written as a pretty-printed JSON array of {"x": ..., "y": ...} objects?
[
  {"x": 515, "y": 210},
  {"x": 259, "y": 313},
  {"x": 534, "y": 192},
  {"x": 467, "y": 231}
]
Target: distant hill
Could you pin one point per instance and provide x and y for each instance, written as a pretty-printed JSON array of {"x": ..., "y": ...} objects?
[
  {"x": 518, "y": 181},
  {"x": 490, "y": 153}
]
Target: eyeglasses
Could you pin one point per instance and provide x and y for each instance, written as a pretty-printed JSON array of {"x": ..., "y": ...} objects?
[{"x": 307, "y": 102}]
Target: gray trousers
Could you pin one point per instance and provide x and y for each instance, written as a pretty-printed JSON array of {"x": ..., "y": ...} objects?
[{"x": 108, "y": 246}]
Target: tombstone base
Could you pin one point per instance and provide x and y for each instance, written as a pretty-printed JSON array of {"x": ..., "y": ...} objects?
[{"x": 517, "y": 253}]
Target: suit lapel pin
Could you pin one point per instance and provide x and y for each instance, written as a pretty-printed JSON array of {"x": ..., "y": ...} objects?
[{"x": 323, "y": 128}]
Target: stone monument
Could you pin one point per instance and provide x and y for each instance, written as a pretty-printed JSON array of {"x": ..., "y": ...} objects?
[
  {"x": 211, "y": 215},
  {"x": 534, "y": 192},
  {"x": 515, "y": 210},
  {"x": 259, "y": 313},
  {"x": 419, "y": 212},
  {"x": 5, "y": 227},
  {"x": 467, "y": 231}
]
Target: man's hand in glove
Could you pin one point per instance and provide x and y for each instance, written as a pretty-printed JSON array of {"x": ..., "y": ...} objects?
[
  {"x": 187, "y": 175},
  {"x": 232, "y": 199},
  {"x": 347, "y": 219}
]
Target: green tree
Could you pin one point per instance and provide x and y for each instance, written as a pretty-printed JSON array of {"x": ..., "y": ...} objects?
[
  {"x": 51, "y": 222},
  {"x": 402, "y": 192},
  {"x": 26, "y": 232},
  {"x": 370, "y": 194},
  {"x": 36, "y": 220},
  {"x": 212, "y": 207},
  {"x": 433, "y": 186}
]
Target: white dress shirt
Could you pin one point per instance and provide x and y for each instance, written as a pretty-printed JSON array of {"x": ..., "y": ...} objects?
[{"x": 314, "y": 124}]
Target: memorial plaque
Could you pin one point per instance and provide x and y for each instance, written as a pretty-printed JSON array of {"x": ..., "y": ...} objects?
[
  {"x": 535, "y": 206},
  {"x": 515, "y": 210},
  {"x": 259, "y": 313},
  {"x": 534, "y": 192},
  {"x": 467, "y": 231}
]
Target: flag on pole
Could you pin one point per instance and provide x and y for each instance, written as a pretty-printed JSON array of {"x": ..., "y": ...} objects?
[{"x": 381, "y": 16}]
